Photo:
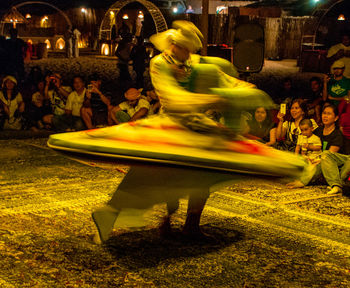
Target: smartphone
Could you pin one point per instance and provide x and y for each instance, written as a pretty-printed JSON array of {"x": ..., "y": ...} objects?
[
  {"x": 89, "y": 87},
  {"x": 283, "y": 108}
]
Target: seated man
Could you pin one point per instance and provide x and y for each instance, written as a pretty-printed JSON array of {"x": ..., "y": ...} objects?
[
  {"x": 95, "y": 107},
  {"x": 57, "y": 94},
  {"x": 152, "y": 97},
  {"x": 136, "y": 107},
  {"x": 71, "y": 120}
]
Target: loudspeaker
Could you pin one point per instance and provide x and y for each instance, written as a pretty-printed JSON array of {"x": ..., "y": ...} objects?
[{"x": 248, "y": 47}]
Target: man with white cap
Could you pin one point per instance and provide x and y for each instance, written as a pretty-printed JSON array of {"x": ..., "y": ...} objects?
[
  {"x": 341, "y": 51},
  {"x": 336, "y": 87}
]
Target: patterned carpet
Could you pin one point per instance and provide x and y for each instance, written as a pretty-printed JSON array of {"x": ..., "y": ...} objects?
[{"x": 266, "y": 236}]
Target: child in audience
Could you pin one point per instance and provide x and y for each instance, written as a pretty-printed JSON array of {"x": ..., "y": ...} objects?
[{"x": 308, "y": 143}]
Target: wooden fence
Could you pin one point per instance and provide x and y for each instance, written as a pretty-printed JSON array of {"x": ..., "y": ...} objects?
[{"x": 282, "y": 35}]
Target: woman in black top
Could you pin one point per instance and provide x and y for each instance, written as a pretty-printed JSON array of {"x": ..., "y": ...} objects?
[{"x": 332, "y": 142}]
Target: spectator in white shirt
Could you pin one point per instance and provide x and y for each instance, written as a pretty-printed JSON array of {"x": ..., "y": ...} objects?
[{"x": 71, "y": 120}]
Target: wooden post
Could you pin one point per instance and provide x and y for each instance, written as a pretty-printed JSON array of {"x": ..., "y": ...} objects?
[{"x": 204, "y": 24}]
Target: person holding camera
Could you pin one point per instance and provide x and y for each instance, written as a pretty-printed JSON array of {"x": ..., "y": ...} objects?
[
  {"x": 96, "y": 104},
  {"x": 336, "y": 86},
  {"x": 57, "y": 94}
]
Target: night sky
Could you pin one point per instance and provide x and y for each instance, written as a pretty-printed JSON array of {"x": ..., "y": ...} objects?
[{"x": 64, "y": 4}]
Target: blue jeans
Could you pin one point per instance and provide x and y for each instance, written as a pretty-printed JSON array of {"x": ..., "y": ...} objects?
[{"x": 330, "y": 164}]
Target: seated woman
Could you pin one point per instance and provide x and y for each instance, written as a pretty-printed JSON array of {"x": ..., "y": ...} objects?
[
  {"x": 289, "y": 130},
  {"x": 261, "y": 127},
  {"x": 40, "y": 106},
  {"x": 12, "y": 103},
  {"x": 331, "y": 157}
]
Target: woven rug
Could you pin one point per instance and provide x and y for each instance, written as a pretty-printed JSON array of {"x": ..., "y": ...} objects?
[{"x": 266, "y": 236}]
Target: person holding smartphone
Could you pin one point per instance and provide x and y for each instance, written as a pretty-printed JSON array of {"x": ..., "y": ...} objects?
[
  {"x": 96, "y": 104},
  {"x": 288, "y": 131}
]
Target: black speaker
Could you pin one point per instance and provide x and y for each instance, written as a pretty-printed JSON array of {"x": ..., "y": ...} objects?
[{"x": 248, "y": 47}]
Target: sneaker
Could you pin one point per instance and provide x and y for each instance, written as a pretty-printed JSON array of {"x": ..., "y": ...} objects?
[{"x": 335, "y": 190}]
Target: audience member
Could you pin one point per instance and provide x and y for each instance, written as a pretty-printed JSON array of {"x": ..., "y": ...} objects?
[
  {"x": 309, "y": 145},
  {"x": 341, "y": 51},
  {"x": 344, "y": 123},
  {"x": 76, "y": 37},
  {"x": 138, "y": 56},
  {"x": 332, "y": 142},
  {"x": 39, "y": 107},
  {"x": 288, "y": 93},
  {"x": 15, "y": 48},
  {"x": 68, "y": 38},
  {"x": 290, "y": 130},
  {"x": 71, "y": 120},
  {"x": 96, "y": 104},
  {"x": 336, "y": 86},
  {"x": 132, "y": 109},
  {"x": 57, "y": 94},
  {"x": 152, "y": 98},
  {"x": 314, "y": 99},
  {"x": 123, "y": 54},
  {"x": 262, "y": 127},
  {"x": 12, "y": 103}
]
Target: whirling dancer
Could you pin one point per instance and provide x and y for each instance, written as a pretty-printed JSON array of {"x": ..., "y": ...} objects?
[{"x": 187, "y": 85}]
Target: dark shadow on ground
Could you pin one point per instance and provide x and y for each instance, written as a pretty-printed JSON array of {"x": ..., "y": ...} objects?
[{"x": 146, "y": 249}]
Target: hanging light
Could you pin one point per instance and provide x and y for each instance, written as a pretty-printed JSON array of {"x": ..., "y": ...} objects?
[
  {"x": 28, "y": 16},
  {"x": 125, "y": 16},
  {"x": 141, "y": 16},
  {"x": 83, "y": 10},
  {"x": 105, "y": 49},
  {"x": 341, "y": 17}
]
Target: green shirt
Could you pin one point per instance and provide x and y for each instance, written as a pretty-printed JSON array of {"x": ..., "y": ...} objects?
[{"x": 338, "y": 88}]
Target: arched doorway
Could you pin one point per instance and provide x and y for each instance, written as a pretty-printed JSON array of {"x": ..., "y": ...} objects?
[
  {"x": 321, "y": 11},
  {"x": 69, "y": 23},
  {"x": 106, "y": 25}
]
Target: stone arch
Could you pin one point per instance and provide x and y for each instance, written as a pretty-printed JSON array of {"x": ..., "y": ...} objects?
[
  {"x": 69, "y": 23},
  {"x": 322, "y": 10},
  {"x": 106, "y": 25},
  {"x": 60, "y": 44},
  {"x": 48, "y": 44}
]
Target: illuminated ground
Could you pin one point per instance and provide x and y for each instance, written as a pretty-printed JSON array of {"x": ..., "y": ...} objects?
[{"x": 268, "y": 236}]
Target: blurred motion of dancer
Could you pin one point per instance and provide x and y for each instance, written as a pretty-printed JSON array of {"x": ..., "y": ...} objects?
[{"x": 187, "y": 85}]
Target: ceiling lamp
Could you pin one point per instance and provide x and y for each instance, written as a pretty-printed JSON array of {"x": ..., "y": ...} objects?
[
  {"x": 141, "y": 16},
  {"x": 341, "y": 17},
  {"x": 28, "y": 16},
  {"x": 125, "y": 16}
]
